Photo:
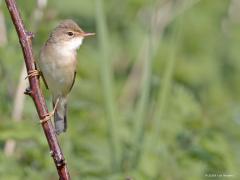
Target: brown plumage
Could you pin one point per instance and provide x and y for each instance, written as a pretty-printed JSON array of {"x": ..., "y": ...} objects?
[{"x": 57, "y": 63}]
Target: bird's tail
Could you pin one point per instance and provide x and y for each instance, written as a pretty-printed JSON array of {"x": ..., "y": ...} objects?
[{"x": 60, "y": 115}]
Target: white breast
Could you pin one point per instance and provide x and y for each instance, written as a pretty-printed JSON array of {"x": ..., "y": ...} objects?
[{"x": 73, "y": 44}]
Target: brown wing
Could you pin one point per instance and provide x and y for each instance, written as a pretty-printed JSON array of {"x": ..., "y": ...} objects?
[
  {"x": 74, "y": 77},
  {"x": 41, "y": 74},
  {"x": 45, "y": 82}
]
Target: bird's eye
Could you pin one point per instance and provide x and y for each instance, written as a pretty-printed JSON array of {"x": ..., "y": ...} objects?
[{"x": 70, "y": 33}]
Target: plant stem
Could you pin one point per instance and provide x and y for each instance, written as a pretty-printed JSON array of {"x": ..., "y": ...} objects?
[
  {"x": 107, "y": 82},
  {"x": 141, "y": 110},
  {"x": 164, "y": 92}
]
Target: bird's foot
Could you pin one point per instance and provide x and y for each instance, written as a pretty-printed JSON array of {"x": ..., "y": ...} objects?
[
  {"x": 48, "y": 116},
  {"x": 32, "y": 73}
]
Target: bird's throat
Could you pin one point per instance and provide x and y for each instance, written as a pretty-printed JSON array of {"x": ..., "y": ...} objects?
[{"x": 68, "y": 48}]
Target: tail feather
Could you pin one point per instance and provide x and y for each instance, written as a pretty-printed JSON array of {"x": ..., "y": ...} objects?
[{"x": 60, "y": 116}]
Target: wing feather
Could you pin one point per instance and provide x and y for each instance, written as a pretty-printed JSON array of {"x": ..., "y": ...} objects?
[{"x": 74, "y": 77}]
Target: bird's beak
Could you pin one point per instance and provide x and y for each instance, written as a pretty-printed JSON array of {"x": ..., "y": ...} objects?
[{"x": 85, "y": 34}]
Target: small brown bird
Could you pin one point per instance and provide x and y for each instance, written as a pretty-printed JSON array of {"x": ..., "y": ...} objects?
[{"x": 57, "y": 63}]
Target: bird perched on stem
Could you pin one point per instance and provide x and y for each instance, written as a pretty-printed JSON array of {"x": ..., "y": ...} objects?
[{"x": 57, "y": 63}]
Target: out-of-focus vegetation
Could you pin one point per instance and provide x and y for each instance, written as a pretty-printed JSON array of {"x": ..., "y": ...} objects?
[{"x": 157, "y": 93}]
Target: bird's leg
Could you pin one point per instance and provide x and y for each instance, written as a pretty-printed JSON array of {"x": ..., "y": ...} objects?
[{"x": 50, "y": 114}]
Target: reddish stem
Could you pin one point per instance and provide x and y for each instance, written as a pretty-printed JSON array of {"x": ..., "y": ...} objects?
[{"x": 35, "y": 92}]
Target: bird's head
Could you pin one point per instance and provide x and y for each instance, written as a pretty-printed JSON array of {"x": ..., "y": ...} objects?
[{"x": 68, "y": 35}]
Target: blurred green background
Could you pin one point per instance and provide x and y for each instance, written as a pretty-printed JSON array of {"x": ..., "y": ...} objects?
[{"x": 157, "y": 93}]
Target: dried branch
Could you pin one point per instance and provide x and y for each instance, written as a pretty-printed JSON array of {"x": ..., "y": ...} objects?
[
  {"x": 17, "y": 110},
  {"x": 35, "y": 92},
  {"x": 19, "y": 98},
  {"x": 160, "y": 19}
]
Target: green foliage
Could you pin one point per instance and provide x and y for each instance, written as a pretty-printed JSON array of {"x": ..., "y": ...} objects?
[{"x": 171, "y": 112}]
